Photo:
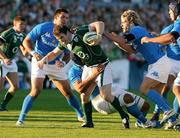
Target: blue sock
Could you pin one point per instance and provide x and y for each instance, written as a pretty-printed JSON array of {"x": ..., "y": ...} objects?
[
  {"x": 73, "y": 102},
  {"x": 157, "y": 109},
  {"x": 158, "y": 99},
  {"x": 134, "y": 111},
  {"x": 27, "y": 104},
  {"x": 176, "y": 105}
]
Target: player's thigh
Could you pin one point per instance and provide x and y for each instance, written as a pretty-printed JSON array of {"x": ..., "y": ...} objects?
[
  {"x": 36, "y": 86},
  {"x": 2, "y": 80},
  {"x": 64, "y": 87},
  {"x": 12, "y": 78},
  {"x": 148, "y": 84}
]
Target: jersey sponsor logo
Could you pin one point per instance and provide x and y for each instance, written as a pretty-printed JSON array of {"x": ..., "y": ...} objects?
[
  {"x": 82, "y": 55},
  {"x": 15, "y": 49},
  {"x": 47, "y": 34},
  {"x": 46, "y": 42}
]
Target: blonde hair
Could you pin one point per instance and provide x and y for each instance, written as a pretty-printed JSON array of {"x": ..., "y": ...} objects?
[{"x": 132, "y": 17}]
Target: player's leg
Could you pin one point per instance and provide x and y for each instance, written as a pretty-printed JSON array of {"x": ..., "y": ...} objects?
[
  {"x": 65, "y": 89},
  {"x": 164, "y": 92},
  {"x": 105, "y": 92},
  {"x": 36, "y": 87},
  {"x": 147, "y": 88},
  {"x": 12, "y": 78},
  {"x": 2, "y": 80}
]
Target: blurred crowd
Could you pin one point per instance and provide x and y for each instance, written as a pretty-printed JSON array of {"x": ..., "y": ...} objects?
[{"x": 153, "y": 12}]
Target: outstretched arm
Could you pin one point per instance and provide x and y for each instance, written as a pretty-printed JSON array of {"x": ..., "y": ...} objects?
[
  {"x": 88, "y": 85},
  {"x": 49, "y": 57},
  {"x": 121, "y": 42},
  {"x": 162, "y": 39}
]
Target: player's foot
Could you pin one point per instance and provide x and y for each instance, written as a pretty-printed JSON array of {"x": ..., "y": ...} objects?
[
  {"x": 155, "y": 117},
  {"x": 81, "y": 119},
  {"x": 170, "y": 124},
  {"x": 19, "y": 124},
  {"x": 87, "y": 125},
  {"x": 167, "y": 115},
  {"x": 149, "y": 124},
  {"x": 3, "y": 109},
  {"x": 138, "y": 124},
  {"x": 126, "y": 122}
]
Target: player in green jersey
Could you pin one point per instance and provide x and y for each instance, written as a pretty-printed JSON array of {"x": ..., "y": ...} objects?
[
  {"x": 91, "y": 56},
  {"x": 10, "y": 42}
]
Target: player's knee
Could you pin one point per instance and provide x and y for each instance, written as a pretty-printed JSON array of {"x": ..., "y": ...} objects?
[
  {"x": 84, "y": 98},
  {"x": 144, "y": 89},
  {"x": 145, "y": 107},
  {"x": 34, "y": 92},
  {"x": 14, "y": 88},
  {"x": 128, "y": 99}
]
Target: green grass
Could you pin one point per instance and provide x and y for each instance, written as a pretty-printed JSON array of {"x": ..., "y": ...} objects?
[{"x": 52, "y": 117}]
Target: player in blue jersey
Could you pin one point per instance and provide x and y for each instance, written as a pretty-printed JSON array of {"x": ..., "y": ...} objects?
[
  {"x": 157, "y": 74},
  {"x": 170, "y": 37},
  {"x": 134, "y": 104},
  {"x": 44, "y": 40}
]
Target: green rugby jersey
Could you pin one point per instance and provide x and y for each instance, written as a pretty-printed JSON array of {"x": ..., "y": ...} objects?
[
  {"x": 12, "y": 40},
  {"x": 90, "y": 55}
]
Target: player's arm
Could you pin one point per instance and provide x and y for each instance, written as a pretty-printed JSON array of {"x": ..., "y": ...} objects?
[
  {"x": 89, "y": 84},
  {"x": 121, "y": 41},
  {"x": 24, "y": 51},
  {"x": 49, "y": 57},
  {"x": 97, "y": 26},
  {"x": 2, "y": 55},
  {"x": 162, "y": 39}
]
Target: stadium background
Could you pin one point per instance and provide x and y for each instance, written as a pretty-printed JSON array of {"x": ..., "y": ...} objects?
[{"x": 131, "y": 67}]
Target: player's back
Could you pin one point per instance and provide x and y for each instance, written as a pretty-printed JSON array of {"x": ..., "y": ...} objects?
[{"x": 151, "y": 51}]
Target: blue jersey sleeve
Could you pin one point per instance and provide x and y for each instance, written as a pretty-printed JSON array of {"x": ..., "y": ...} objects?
[
  {"x": 176, "y": 28},
  {"x": 35, "y": 33}
]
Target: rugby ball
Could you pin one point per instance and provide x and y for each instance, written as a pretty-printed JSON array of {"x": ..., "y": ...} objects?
[{"x": 89, "y": 37}]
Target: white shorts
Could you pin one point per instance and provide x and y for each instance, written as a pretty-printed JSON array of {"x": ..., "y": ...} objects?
[
  {"x": 103, "y": 79},
  {"x": 105, "y": 107},
  {"x": 175, "y": 67},
  {"x": 5, "y": 69},
  {"x": 52, "y": 71},
  {"x": 177, "y": 80},
  {"x": 160, "y": 70}
]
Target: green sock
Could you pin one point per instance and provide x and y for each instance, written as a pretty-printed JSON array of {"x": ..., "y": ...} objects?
[
  {"x": 6, "y": 99},
  {"x": 87, "y": 108},
  {"x": 117, "y": 106}
]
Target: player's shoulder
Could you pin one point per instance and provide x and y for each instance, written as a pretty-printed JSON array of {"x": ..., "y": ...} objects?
[
  {"x": 167, "y": 29},
  {"x": 44, "y": 25},
  {"x": 8, "y": 32}
]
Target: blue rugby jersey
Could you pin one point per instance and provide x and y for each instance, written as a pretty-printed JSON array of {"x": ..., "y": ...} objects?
[
  {"x": 150, "y": 51},
  {"x": 45, "y": 41},
  {"x": 173, "y": 49}
]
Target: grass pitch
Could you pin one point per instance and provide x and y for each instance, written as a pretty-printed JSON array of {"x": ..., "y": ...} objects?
[{"x": 51, "y": 117}]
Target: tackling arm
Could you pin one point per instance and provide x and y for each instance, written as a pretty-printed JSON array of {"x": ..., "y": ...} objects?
[
  {"x": 162, "y": 39},
  {"x": 120, "y": 41}
]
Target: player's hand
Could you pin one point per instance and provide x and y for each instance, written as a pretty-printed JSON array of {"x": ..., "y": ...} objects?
[
  {"x": 7, "y": 61},
  {"x": 59, "y": 63},
  {"x": 37, "y": 56},
  {"x": 96, "y": 41},
  {"x": 99, "y": 69},
  {"x": 40, "y": 64},
  {"x": 144, "y": 40}
]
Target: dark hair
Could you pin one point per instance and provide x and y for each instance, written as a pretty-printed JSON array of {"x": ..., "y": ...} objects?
[
  {"x": 59, "y": 11},
  {"x": 19, "y": 18},
  {"x": 178, "y": 7},
  {"x": 58, "y": 29}
]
